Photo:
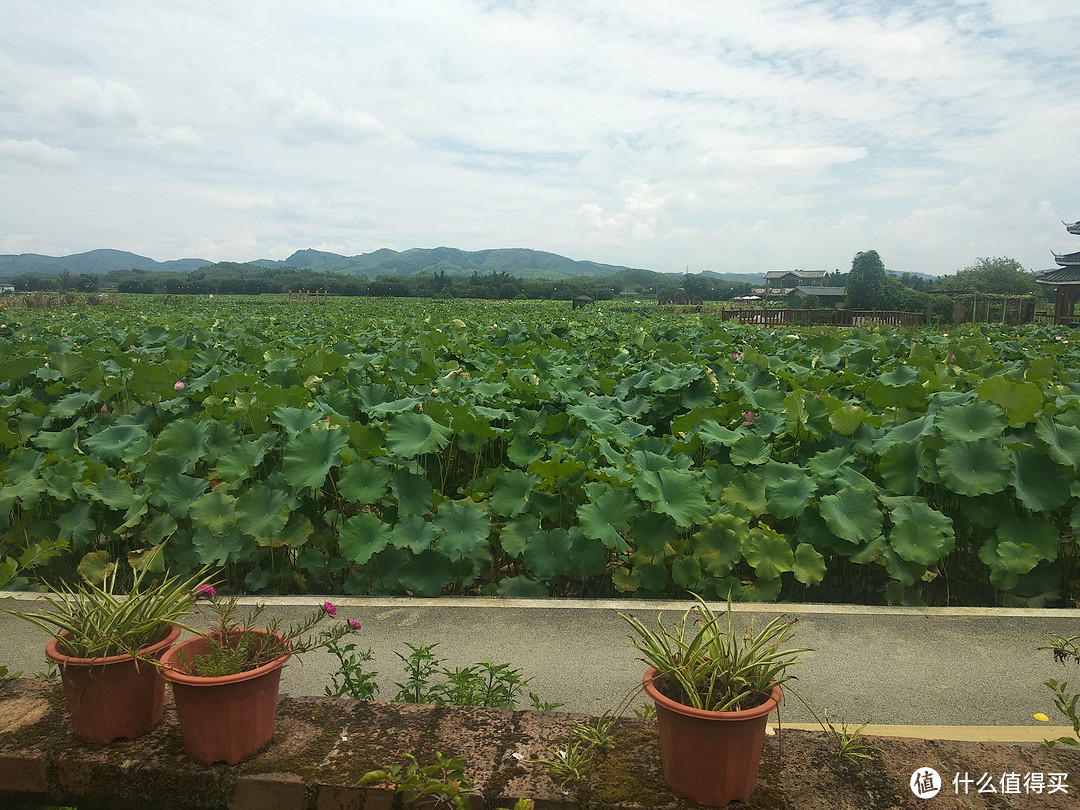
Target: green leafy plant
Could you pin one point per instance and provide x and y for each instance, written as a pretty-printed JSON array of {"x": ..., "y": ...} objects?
[
  {"x": 351, "y": 679},
  {"x": 236, "y": 645},
  {"x": 1066, "y": 704},
  {"x": 710, "y": 667},
  {"x": 569, "y": 762},
  {"x": 1063, "y": 649},
  {"x": 91, "y": 620},
  {"x": 440, "y": 784}
]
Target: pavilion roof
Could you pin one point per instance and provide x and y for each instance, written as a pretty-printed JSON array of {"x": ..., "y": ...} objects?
[
  {"x": 1069, "y": 275},
  {"x": 1067, "y": 258}
]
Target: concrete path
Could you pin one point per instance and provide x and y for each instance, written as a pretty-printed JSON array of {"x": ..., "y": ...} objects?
[{"x": 930, "y": 668}]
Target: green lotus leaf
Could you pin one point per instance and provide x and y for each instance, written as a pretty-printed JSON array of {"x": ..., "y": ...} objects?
[
  {"x": 972, "y": 422},
  {"x": 263, "y": 512},
  {"x": 871, "y": 552},
  {"x": 1038, "y": 532},
  {"x": 516, "y": 533},
  {"x": 686, "y": 573},
  {"x": 900, "y": 376},
  {"x": 183, "y": 439},
  {"x": 523, "y": 588},
  {"x": 510, "y": 497},
  {"x": 746, "y": 493},
  {"x": 826, "y": 465},
  {"x": 426, "y": 573},
  {"x": 644, "y": 576},
  {"x": 919, "y": 533},
  {"x": 651, "y": 532},
  {"x": 1039, "y": 484},
  {"x": 71, "y": 404},
  {"x": 677, "y": 493},
  {"x": 546, "y": 553},
  {"x": 910, "y": 432},
  {"x": 77, "y": 525},
  {"x": 788, "y": 490},
  {"x": 905, "y": 572},
  {"x": 95, "y": 566},
  {"x": 601, "y": 518},
  {"x": 713, "y": 433},
  {"x": 214, "y": 511},
  {"x": 899, "y": 469},
  {"x": 460, "y": 529},
  {"x": 413, "y": 533},
  {"x": 587, "y": 557},
  {"x": 768, "y": 552},
  {"x": 846, "y": 419},
  {"x": 414, "y": 493},
  {"x": 1016, "y": 558},
  {"x": 245, "y": 456},
  {"x": 412, "y": 434},
  {"x": 110, "y": 490},
  {"x": 809, "y": 565},
  {"x": 178, "y": 492},
  {"x": 362, "y": 536},
  {"x": 210, "y": 546},
  {"x": 298, "y": 530},
  {"x": 749, "y": 449},
  {"x": 1062, "y": 441},
  {"x": 60, "y": 479},
  {"x": 363, "y": 482},
  {"x": 974, "y": 468},
  {"x": 852, "y": 514},
  {"x": 297, "y": 420},
  {"x": 73, "y": 367},
  {"x": 119, "y": 442},
  {"x": 1020, "y": 400},
  {"x": 309, "y": 455},
  {"x": 719, "y": 543}
]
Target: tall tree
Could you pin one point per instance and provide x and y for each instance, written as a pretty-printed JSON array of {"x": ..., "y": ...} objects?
[
  {"x": 1001, "y": 275},
  {"x": 867, "y": 285}
]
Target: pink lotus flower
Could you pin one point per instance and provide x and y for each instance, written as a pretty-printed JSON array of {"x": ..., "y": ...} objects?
[
  {"x": 952, "y": 358},
  {"x": 104, "y": 408},
  {"x": 180, "y": 386},
  {"x": 331, "y": 611},
  {"x": 748, "y": 418},
  {"x": 734, "y": 355},
  {"x": 354, "y": 624}
]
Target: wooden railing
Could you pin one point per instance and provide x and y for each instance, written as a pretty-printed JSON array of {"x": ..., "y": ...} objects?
[{"x": 825, "y": 317}]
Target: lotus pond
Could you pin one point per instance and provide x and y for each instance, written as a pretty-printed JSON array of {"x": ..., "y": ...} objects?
[{"x": 520, "y": 448}]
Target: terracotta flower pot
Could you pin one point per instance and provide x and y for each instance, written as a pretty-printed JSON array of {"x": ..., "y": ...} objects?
[
  {"x": 708, "y": 757},
  {"x": 226, "y": 718},
  {"x": 114, "y": 697}
]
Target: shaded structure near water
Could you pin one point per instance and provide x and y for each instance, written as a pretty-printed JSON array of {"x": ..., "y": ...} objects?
[{"x": 1065, "y": 280}]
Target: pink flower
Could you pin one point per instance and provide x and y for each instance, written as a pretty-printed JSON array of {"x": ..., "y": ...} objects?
[
  {"x": 734, "y": 355},
  {"x": 179, "y": 385},
  {"x": 748, "y": 418},
  {"x": 354, "y": 624},
  {"x": 330, "y": 609},
  {"x": 952, "y": 358},
  {"x": 104, "y": 408},
  {"x": 131, "y": 346},
  {"x": 206, "y": 589}
]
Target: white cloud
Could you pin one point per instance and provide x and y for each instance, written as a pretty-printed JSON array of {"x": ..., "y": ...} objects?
[{"x": 706, "y": 133}]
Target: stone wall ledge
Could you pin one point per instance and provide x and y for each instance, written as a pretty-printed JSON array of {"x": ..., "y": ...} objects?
[{"x": 322, "y": 746}]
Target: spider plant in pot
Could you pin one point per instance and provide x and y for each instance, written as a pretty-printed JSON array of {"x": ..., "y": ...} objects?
[
  {"x": 714, "y": 690},
  {"x": 104, "y": 643},
  {"x": 225, "y": 681}
]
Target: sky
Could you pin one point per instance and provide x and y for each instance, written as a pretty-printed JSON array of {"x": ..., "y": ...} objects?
[{"x": 673, "y": 135}]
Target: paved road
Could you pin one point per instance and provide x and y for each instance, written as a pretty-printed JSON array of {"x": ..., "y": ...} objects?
[{"x": 884, "y": 665}]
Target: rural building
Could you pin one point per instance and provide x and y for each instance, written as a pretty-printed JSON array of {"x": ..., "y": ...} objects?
[
  {"x": 778, "y": 283},
  {"x": 1065, "y": 280},
  {"x": 829, "y": 296}
]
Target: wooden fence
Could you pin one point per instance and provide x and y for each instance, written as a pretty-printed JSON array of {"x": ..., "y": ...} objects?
[{"x": 825, "y": 317}]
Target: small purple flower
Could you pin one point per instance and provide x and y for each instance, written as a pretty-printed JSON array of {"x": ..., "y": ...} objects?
[
  {"x": 331, "y": 611},
  {"x": 206, "y": 589},
  {"x": 354, "y": 624}
]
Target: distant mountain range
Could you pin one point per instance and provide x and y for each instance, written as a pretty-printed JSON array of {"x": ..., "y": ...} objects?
[{"x": 520, "y": 262}]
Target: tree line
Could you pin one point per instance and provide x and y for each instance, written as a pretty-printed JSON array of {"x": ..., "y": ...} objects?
[{"x": 868, "y": 284}]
